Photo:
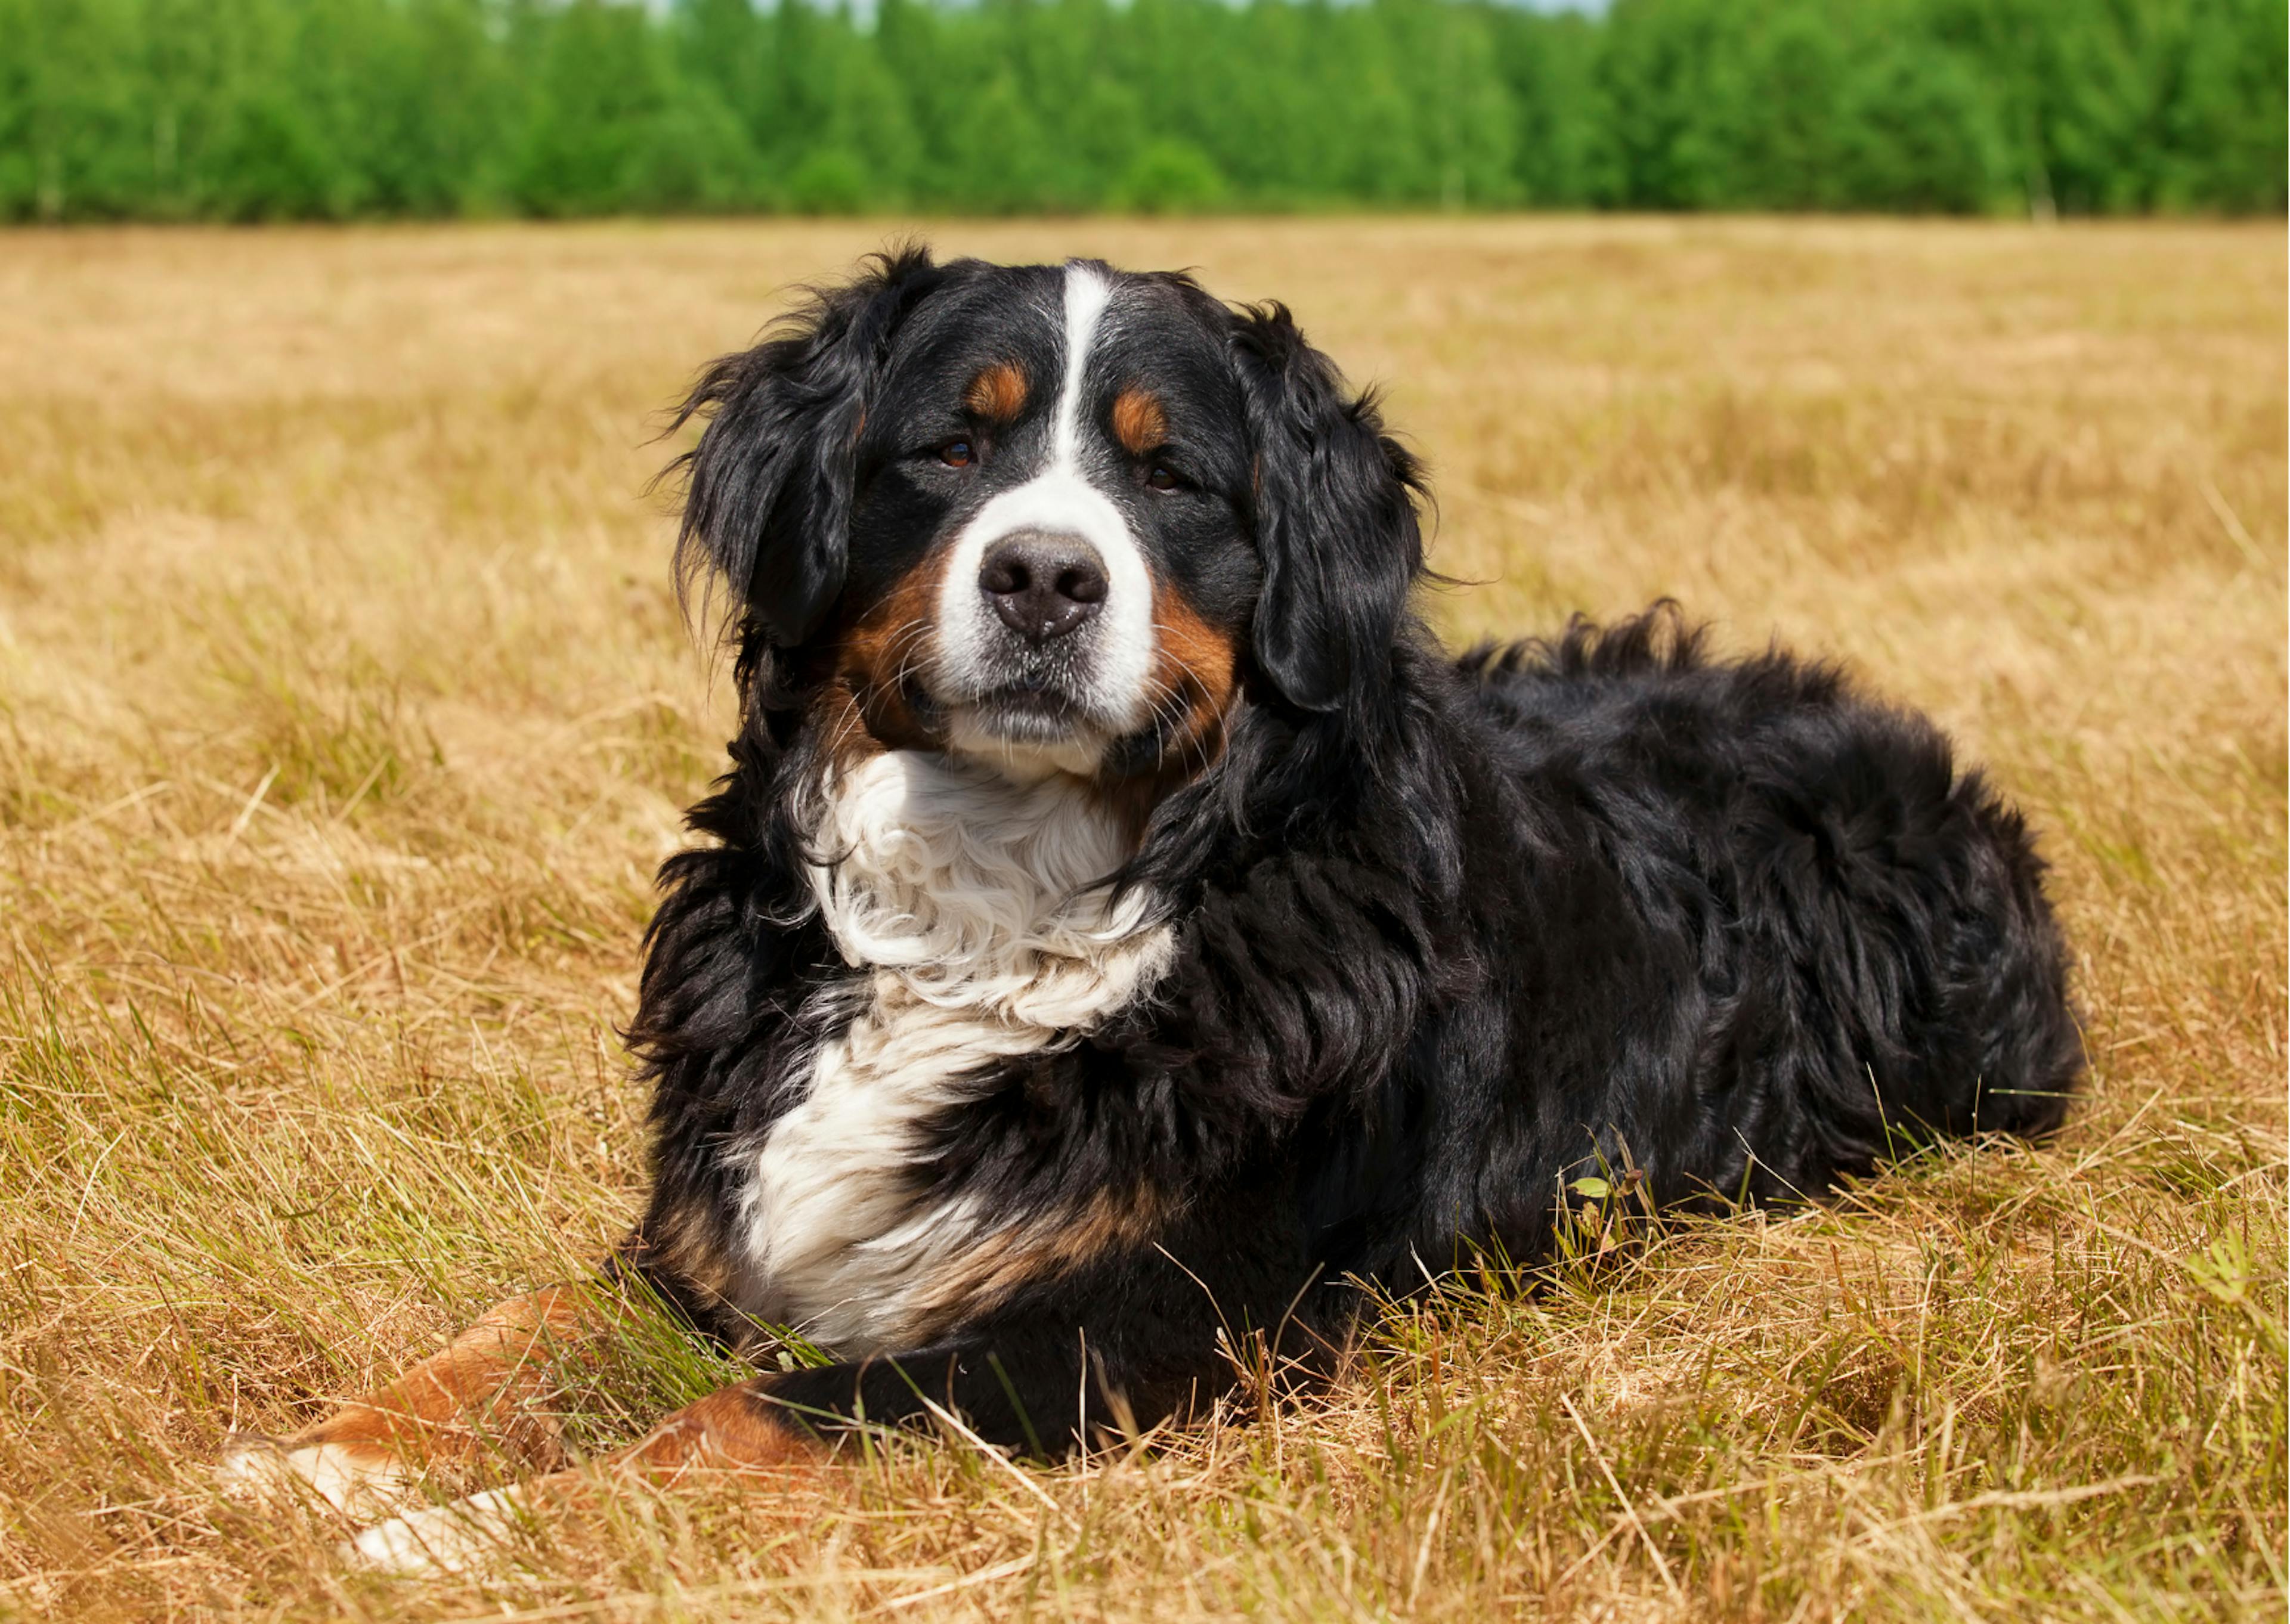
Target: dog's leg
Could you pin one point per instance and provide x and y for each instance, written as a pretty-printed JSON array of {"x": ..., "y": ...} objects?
[
  {"x": 479, "y": 1397},
  {"x": 1037, "y": 1379},
  {"x": 738, "y": 1429},
  {"x": 765, "y": 1428}
]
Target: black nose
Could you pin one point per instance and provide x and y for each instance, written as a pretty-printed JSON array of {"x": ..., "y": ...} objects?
[{"x": 1042, "y": 585}]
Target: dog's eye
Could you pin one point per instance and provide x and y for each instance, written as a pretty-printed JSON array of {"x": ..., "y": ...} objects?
[
  {"x": 956, "y": 453},
  {"x": 1161, "y": 476}
]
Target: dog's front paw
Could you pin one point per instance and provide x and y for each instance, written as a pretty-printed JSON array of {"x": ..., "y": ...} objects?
[
  {"x": 451, "y": 1539},
  {"x": 359, "y": 1480}
]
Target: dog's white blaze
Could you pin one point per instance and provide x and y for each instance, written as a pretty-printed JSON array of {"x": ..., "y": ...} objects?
[
  {"x": 1060, "y": 498},
  {"x": 1087, "y": 293},
  {"x": 959, "y": 892}
]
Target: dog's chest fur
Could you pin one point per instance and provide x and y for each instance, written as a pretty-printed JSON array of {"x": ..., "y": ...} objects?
[{"x": 957, "y": 897}]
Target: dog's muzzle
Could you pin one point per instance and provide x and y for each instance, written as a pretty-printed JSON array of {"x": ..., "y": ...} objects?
[{"x": 1044, "y": 642}]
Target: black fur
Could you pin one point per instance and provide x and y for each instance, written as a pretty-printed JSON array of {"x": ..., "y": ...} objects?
[
  {"x": 767, "y": 493},
  {"x": 1335, "y": 517},
  {"x": 1451, "y": 934}
]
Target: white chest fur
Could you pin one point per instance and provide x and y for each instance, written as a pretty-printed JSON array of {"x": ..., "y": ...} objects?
[{"x": 957, "y": 895}]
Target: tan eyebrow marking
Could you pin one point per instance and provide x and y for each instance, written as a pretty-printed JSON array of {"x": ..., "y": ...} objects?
[
  {"x": 997, "y": 393},
  {"x": 1139, "y": 423}
]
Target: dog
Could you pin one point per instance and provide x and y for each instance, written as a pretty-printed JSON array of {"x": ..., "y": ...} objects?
[{"x": 1124, "y": 937}]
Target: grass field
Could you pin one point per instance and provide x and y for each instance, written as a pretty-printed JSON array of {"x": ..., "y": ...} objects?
[{"x": 345, "y": 712}]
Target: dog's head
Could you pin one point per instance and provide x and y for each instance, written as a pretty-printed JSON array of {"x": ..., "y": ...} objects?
[{"x": 1055, "y": 518}]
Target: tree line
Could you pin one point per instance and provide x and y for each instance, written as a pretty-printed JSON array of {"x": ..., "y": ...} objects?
[{"x": 330, "y": 109}]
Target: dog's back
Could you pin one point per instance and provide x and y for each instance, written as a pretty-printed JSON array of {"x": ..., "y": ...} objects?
[{"x": 1848, "y": 936}]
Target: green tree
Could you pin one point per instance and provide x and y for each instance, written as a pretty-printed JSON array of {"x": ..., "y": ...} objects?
[
  {"x": 74, "y": 144},
  {"x": 1770, "y": 134},
  {"x": 2223, "y": 131},
  {"x": 1562, "y": 140},
  {"x": 1171, "y": 176},
  {"x": 1920, "y": 135},
  {"x": 612, "y": 127},
  {"x": 325, "y": 108}
]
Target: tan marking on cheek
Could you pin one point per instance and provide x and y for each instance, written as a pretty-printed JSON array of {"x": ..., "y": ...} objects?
[
  {"x": 1196, "y": 677},
  {"x": 838, "y": 719},
  {"x": 1138, "y": 422},
  {"x": 1199, "y": 663},
  {"x": 997, "y": 393},
  {"x": 865, "y": 709}
]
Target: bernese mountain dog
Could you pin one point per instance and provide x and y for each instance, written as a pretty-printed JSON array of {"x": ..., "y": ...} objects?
[{"x": 1124, "y": 944}]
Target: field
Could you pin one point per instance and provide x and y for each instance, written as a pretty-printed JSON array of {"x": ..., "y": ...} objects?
[{"x": 345, "y": 712}]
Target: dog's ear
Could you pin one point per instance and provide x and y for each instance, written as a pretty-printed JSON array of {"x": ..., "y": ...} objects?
[
  {"x": 768, "y": 489},
  {"x": 1335, "y": 516}
]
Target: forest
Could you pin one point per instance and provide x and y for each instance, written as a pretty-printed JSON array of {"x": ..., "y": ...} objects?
[{"x": 337, "y": 109}]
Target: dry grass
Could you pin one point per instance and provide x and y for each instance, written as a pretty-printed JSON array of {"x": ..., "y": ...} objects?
[{"x": 344, "y": 714}]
